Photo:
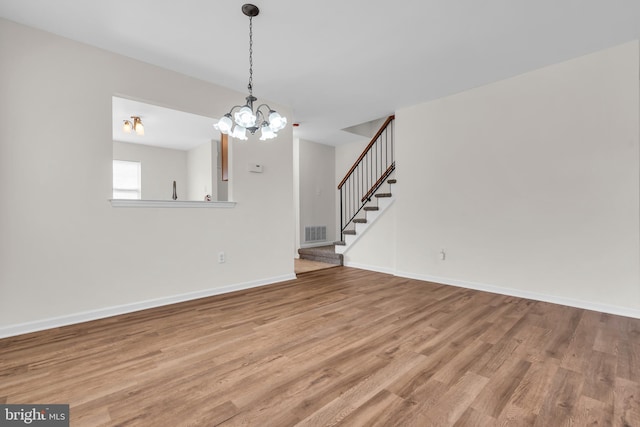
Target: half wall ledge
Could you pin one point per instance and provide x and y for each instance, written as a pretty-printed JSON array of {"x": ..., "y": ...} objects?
[{"x": 127, "y": 203}]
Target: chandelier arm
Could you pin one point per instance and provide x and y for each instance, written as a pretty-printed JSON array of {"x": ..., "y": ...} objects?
[
  {"x": 234, "y": 107},
  {"x": 265, "y": 105},
  {"x": 260, "y": 117}
]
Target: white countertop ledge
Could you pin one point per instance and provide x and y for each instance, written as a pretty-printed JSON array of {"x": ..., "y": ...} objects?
[{"x": 126, "y": 203}]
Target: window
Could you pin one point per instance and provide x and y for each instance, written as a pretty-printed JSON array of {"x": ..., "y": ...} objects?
[{"x": 126, "y": 180}]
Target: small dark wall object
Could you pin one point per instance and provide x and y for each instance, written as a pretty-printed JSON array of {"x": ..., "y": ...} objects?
[{"x": 175, "y": 194}]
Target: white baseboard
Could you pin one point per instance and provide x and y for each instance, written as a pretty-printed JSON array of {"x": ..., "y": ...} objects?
[
  {"x": 571, "y": 302},
  {"x": 86, "y": 316},
  {"x": 370, "y": 267}
]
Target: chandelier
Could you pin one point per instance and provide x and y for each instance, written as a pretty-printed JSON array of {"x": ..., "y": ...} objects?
[{"x": 264, "y": 118}]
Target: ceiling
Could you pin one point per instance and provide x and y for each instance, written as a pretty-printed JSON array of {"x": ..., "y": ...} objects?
[
  {"x": 339, "y": 63},
  {"x": 163, "y": 127}
]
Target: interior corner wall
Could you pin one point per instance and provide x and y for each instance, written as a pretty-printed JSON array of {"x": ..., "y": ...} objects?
[
  {"x": 200, "y": 169},
  {"x": 65, "y": 251},
  {"x": 530, "y": 185},
  {"x": 159, "y": 168},
  {"x": 316, "y": 189}
]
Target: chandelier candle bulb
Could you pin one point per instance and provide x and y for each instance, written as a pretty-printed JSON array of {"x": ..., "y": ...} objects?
[{"x": 244, "y": 117}]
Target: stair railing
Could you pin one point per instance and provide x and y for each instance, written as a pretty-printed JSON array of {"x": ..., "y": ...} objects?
[{"x": 367, "y": 174}]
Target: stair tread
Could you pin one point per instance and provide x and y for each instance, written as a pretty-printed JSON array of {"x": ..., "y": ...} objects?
[
  {"x": 383, "y": 195},
  {"x": 360, "y": 221},
  {"x": 349, "y": 232},
  {"x": 340, "y": 243},
  {"x": 392, "y": 181},
  {"x": 371, "y": 208}
]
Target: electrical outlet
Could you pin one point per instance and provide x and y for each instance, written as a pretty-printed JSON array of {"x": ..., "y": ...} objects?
[
  {"x": 443, "y": 255},
  {"x": 221, "y": 257}
]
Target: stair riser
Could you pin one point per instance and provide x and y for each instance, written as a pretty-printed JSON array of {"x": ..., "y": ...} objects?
[
  {"x": 328, "y": 260},
  {"x": 325, "y": 253},
  {"x": 384, "y": 202},
  {"x": 372, "y": 216},
  {"x": 360, "y": 228}
]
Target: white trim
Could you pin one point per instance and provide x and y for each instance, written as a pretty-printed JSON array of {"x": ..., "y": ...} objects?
[
  {"x": 124, "y": 203},
  {"x": 554, "y": 299},
  {"x": 369, "y": 267},
  {"x": 86, "y": 316}
]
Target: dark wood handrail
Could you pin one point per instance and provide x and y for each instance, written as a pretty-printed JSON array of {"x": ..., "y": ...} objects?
[{"x": 366, "y": 150}]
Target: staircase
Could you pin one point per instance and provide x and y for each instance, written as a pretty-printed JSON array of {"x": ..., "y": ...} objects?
[
  {"x": 365, "y": 193},
  {"x": 362, "y": 196},
  {"x": 368, "y": 216}
]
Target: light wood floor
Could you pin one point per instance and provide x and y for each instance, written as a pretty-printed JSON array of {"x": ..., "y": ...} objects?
[
  {"x": 337, "y": 347},
  {"x": 305, "y": 265}
]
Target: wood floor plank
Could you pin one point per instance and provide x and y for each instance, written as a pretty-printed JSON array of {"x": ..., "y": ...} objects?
[
  {"x": 560, "y": 405},
  {"x": 421, "y": 401},
  {"x": 592, "y": 412},
  {"x": 499, "y": 389},
  {"x": 582, "y": 342},
  {"x": 462, "y": 362},
  {"x": 626, "y": 405},
  {"x": 375, "y": 411},
  {"x": 534, "y": 387},
  {"x": 513, "y": 415},
  {"x": 339, "y": 346},
  {"x": 450, "y": 407},
  {"x": 359, "y": 394},
  {"x": 406, "y": 384},
  {"x": 473, "y": 418},
  {"x": 600, "y": 377},
  {"x": 628, "y": 359}
]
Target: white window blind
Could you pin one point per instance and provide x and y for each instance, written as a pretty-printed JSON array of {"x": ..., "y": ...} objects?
[{"x": 127, "y": 180}]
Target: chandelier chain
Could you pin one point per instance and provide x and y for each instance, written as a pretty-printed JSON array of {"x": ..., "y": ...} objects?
[
  {"x": 243, "y": 118},
  {"x": 250, "y": 87}
]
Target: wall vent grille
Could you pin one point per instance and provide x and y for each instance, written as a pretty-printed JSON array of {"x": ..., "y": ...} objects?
[{"x": 316, "y": 233}]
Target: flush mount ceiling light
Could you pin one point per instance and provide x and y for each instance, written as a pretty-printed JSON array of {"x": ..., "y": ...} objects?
[
  {"x": 135, "y": 124},
  {"x": 244, "y": 117}
]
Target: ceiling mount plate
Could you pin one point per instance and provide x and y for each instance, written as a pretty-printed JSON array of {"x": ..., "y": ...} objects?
[{"x": 250, "y": 10}]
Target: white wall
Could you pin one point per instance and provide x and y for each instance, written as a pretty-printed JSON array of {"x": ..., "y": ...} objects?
[
  {"x": 531, "y": 184},
  {"x": 64, "y": 249},
  {"x": 316, "y": 188},
  {"x": 200, "y": 167},
  {"x": 159, "y": 168}
]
